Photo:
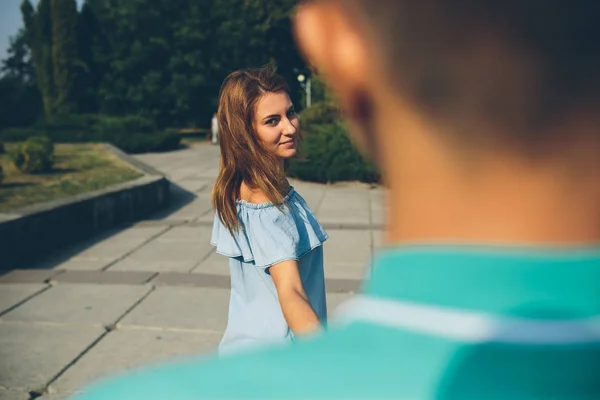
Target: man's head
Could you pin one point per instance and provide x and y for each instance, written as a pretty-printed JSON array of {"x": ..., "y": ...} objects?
[
  {"x": 501, "y": 72},
  {"x": 436, "y": 84}
]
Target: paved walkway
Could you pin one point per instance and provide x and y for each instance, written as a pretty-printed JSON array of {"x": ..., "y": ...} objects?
[{"x": 156, "y": 289}]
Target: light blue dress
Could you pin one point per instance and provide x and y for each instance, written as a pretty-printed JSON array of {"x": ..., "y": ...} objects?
[{"x": 268, "y": 236}]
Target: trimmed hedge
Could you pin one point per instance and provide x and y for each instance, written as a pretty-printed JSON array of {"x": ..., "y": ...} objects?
[
  {"x": 326, "y": 154},
  {"x": 132, "y": 134},
  {"x": 34, "y": 155}
]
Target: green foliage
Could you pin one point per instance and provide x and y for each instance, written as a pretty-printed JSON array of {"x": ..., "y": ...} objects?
[
  {"x": 162, "y": 59},
  {"x": 38, "y": 35},
  {"x": 132, "y": 134},
  {"x": 144, "y": 143},
  {"x": 20, "y": 102},
  {"x": 326, "y": 153},
  {"x": 2, "y": 149},
  {"x": 64, "y": 54},
  {"x": 320, "y": 113},
  {"x": 99, "y": 123},
  {"x": 1, "y": 174},
  {"x": 34, "y": 155}
]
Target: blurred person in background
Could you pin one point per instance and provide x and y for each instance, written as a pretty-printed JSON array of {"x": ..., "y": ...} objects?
[
  {"x": 484, "y": 118},
  {"x": 214, "y": 129}
]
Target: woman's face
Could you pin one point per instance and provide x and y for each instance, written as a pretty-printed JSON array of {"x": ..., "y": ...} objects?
[{"x": 276, "y": 124}]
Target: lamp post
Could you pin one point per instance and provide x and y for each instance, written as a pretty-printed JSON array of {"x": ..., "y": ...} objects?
[{"x": 306, "y": 86}]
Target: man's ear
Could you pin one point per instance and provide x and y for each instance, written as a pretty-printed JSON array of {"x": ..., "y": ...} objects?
[{"x": 331, "y": 42}]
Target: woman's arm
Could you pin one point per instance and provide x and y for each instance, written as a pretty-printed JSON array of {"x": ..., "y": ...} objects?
[{"x": 294, "y": 302}]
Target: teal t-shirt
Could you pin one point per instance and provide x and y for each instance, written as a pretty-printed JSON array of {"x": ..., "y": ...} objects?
[{"x": 432, "y": 323}]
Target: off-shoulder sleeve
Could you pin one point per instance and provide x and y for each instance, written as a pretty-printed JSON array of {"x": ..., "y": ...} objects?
[{"x": 269, "y": 235}]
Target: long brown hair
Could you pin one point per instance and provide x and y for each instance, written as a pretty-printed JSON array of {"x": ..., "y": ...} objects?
[{"x": 243, "y": 158}]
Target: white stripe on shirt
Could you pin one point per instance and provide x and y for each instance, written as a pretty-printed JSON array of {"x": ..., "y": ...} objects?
[{"x": 467, "y": 326}]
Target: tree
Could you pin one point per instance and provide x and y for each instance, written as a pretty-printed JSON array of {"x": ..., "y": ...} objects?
[
  {"x": 64, "y": 54},
  {"x": 19, "y": 98},
  {"x": 18, "y": 63},
  {"x": 38, "y": 34},
  {"x": 161, "y": 59}
]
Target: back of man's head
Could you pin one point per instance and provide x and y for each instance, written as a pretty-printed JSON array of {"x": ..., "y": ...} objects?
[{"x": 515, "y": 67}]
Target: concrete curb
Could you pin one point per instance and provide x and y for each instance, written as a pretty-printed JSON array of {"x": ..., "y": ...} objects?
[{"x": 42, "y": 228}]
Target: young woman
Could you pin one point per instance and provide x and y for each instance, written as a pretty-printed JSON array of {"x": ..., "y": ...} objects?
[{"x": 272, "y": 239}]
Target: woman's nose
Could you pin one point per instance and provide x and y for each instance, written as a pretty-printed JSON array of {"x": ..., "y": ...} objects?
[{"x": 290, "y": 128}]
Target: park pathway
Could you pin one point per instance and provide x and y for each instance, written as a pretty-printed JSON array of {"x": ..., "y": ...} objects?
[{"x": 155, "y": 289}]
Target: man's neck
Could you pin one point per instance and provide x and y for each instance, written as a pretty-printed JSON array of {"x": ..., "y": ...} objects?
[{"x": 497, "y": 205}]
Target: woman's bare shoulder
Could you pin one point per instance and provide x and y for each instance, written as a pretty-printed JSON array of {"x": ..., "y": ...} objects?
[{"x": 252, "y": 195}]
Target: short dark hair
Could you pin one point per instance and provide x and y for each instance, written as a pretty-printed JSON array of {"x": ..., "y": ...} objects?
[{"x": 520, "y": 65}]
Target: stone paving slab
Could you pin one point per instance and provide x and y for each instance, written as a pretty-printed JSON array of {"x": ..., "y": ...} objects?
[
  {"x": 85, "y": 264},
  {"x": 110, "y": 249},
  {"x": 118, "y": 244},
  {"x": 345, "y": 206},
  {"x": 181, "y": 307},
  {"x": 32, "y": 354},
  {"x": 195, "y": 185},
  {"x": 28, "y": 276},
  {"x": 105, "y": 277},
  {"x": 189, "y": 279},
  {"x": 196, "y": 234},
  {"x": 162, "y": 257},
  {"x": 79, "y": 304},
  {"x": 207, "y": 218},
  {"x": 377, "y": 201},
  {"x": 13, "y": 293},
  {"x": 161, "y": 266},
  {"x": 189, "y": 212},
  {"x": 215, "y": 264},
  {"x": 312, "y": 193},
  {"x": 178, "y": 252},
  {"x": 55, "y": 396},
  {"x": 125, "y": 349},
  {"x": 347, "y": 253},
  {"x": 9, "y": 394}
]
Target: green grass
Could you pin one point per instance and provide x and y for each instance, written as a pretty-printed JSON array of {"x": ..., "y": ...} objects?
[{"x": 78, "y": 168}]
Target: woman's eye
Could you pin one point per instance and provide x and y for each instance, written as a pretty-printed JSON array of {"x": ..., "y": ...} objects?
[
  {"x": 272, "y": 121},
  {"x": 291, "y": 113}
]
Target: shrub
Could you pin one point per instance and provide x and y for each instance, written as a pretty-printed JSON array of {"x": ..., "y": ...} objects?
[
  {"x": 321, "y": 113},
  {"x": 144, "y": 143},
  {"x": 133, "y": 134},
  {"x": 2, "y": 149},
  {"x": 1, "y": 174},
  {"x": 45, "y": 142},
  {"x": 98, "y": 123},
  {"x": 34, "y": 155},
  {"x": 125, "y": 124},
  {"x": 326, "y": 154}
]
